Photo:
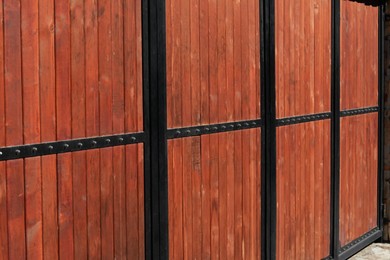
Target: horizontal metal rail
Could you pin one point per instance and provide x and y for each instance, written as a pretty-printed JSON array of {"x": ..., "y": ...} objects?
[
  {"x": 212, "y": 129},
  {"x": 360, "y": 243},
  {"x": 67, "y": 146},
  {"x": 302, "y": 119},
  {"x": 358, "y": 111}
]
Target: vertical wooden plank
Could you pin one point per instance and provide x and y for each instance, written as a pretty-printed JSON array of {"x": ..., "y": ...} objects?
[
  {"x": 93, "y": 204},
  {"x": 78, "y": 128},
  {"x": 205, "y": 119},
  {"x": 48, "y": 126},
  {"x": 214, "y": 117},
  {"x": 360, "y": 97},
  {"x": 178, "y": 195},
  {"x": 259, "y": 195},
  {"x": 206, "y": 197},
  {"x": 15, "y": 208},
  {"x": 230, "y": 195},
  {"x": 139, "y": 86},
  {"x": 326, "y": 187},
  {"x": 187, "y": 198},
  {"x": 106, "y": 127},
  {"x": 63, "y": 107},
  {"x": 196, "y": 120},
  {"x": 31, "y": 125},
  {"x": 220, "y": 64},
  {"x": 14, "y": 128},
  {"x": 132, "y": 202},
  {"x": 3, "y": 170},
  {"x": 171, "y": 193},
  {"x": 132, "y": 42},
  {"x": 238, "y": 171},
  {"x": 170, "y": 69},
  {"x": 253, "y": 104},
  {"x": 117, "y": 28},
  {"x": 33, "y": 209},
  {"x": 176, "y": 61},
  {"x": 92, "y": 128},
  {"x": 141, "y": 203},
  {"x": 186, "y": 101},
  {"x": 230, "y": 164}
]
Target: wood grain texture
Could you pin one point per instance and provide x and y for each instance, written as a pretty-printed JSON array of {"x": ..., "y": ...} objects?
[
  {"x": 303, "y": 52},
  {"x": 67, "y": 79},
  {"x": 3, "y": 175},
  {"x": 214, "y": 195},
  {"x": 303, "y": 191},
  {"x": 55, "y": 52},
  {"x": 213, "y": 58},
  {"x": 358, "y": 55},
  {"x": 129, "y": 236},
  {"x": 358, "y": 176}
]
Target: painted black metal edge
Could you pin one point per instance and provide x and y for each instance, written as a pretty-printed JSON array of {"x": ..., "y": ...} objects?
[
  {"x": 302, "y": 119},
  {"x": 381, "y": 25},
  {"x": 263, "y": 172},
  {"x": 327, "y": 258},
  {"x": 67, "y": 146},
  {"x": 335, "y": 129},
  {"x": 270, "y": 128},
  {"x": 158, "y": 127},
  {"x": 358, "y": 111},
  {"x": 212, "y": 129},
  {"x": 148, "y": 228},
  {"x": 358, "y": 244}
]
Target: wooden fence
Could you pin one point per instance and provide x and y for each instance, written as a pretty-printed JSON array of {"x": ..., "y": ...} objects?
[{"x": 217, "y": 129}]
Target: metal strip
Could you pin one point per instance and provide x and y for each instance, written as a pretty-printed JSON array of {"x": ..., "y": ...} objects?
[
  {"x": 158, "y": 126},
  {"x": 358, "y": 244},
  {"x": 302, "y": 119},
  {"x": 212, "y": 129},
  {"x": 270, "y": 128},
  {"x": 67, "y": 146},
  {"x": 381, "y": 39},
  {"x": 335, "y": 131},
  {"x": 358, "y": 111},
  {"x": 146, "y": 122},
  {"x": 263, "y": 99}
]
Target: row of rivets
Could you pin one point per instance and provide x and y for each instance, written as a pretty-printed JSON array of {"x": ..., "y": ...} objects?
[
  {"x": 66, "y": 146},
  {"x": 358, "y": 240},
  {"x": 359, "y": 111},
  {"x": 197, "y": 131},
  {"x": 302, "y": 119}
]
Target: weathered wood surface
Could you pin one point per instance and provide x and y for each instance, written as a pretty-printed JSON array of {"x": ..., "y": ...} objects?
[
  {"x": 213, "y": 61},
  {"x": 72, "y": 221},
  {"x": 358, "y": 55},
  {"x": 302, "y": 57},
  {"x": 303, "y": 191},
  {"x": 358, "y": 176},
  {"x": 215, "y": 196}
]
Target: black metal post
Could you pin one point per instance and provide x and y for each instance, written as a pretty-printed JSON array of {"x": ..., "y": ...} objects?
[
  {"x": 335, "y": 130},
  {"x": 155, "y": 12},
  {"x": 381, "y": 69},
  {"x": 270, "y": 127}
]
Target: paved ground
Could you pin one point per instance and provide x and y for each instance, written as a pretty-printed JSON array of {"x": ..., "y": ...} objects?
[{"x": 375, "y": 251}]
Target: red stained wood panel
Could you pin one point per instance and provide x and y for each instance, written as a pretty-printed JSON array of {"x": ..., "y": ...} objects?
[
  {"x": 358, "y": 55},
  {"x": 128, "y": 206},
  {"x": 358, "y": 176},
  {"x": 75, "y": 51},
  {"x": 213, "y": 61},
  {"x": 303, "y": 191},
  {"x": 303, "y": 57},
  {"x": 215, "y": 196}
]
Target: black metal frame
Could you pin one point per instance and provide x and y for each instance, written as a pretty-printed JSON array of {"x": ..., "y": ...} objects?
[
  {"x": 156, "y": 134},
  {"x": 335, "y": 131}
]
